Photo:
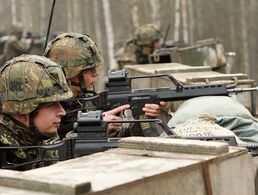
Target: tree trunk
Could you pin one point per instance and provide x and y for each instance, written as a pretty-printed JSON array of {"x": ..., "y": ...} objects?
[
  {"x": 69, "y": 4},
  {"x": 199, "y": 19},
  {"x": 177, "y": 20},
  {"x": 43, "y": 18},
  {"x": 14, "y": 12},
  {"x": 244, "y": 36},
  {"x": 191, "y": 21},
  {"x": 77, "y": 17},
  {"x": 26, "y": 15},
  {"x": 99, "y": 40},
  {"x": 155, "y": 14},
  {"x": 133, "y": 8},
  {"x": 184, "y": 21},
  {"x": 109, "y": 33}
]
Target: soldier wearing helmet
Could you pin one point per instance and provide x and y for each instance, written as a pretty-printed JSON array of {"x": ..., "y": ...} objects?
[
  {"x": 14, "y": 46},
  {"x": 80, "y": 57},
  {"x": 30, "y": 90},
  {"x": 137, "y": 50},
  {"x": 123, "y": 59}
]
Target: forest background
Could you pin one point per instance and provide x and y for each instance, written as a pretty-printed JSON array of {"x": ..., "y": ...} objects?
[{"x": 111, "y": 22}]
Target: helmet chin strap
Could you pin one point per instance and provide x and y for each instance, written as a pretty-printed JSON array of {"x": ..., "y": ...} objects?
[
  {"x": 152, "y": 47},
  {"x": 82, "y": 83}
]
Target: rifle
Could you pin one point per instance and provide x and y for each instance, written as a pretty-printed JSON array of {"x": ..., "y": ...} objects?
[
  {"x": 90, "y": 136},
  {"x": 176, "y": 49},
  {"x": 119, "y": 92},
  {"x": 164, "y": 45}
]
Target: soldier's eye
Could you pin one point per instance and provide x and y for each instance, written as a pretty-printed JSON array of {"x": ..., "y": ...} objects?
[{"x": 50, "y": 104}]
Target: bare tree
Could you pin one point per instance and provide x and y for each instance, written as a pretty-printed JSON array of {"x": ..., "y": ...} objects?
[
  {"x": 99, "y": 39},
  {"x": 133, "y": 8},
  {"x": 191, "y": 20},
  {"x": 199, "y": 18},
  {"x": 97, "y": 24},
  {"x": 43, "y": 17},
  {"x": 14, "y": 12},
  {"x": 232, "y": 26},
  {"x": 244, "y": 36},
  {"x": 69, "y": 4},
  {"x": 109, "y": 33},
  {"x": 155, "y": 14},
  {"x": 184, "y": 21},
  {"x": 89, "y": 7},
  {"x": 76, "y": 19},
  {"x": 177, "y": 20},
  {"x": 27, "y": 15}
]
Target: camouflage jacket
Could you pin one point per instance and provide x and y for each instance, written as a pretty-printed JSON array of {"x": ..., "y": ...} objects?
[
  {"x": 14, "y": 47},
  {"x": 13, "y": 133},
  {"x": 132, "y": 54},
  {"x": 132, "y": 129}
]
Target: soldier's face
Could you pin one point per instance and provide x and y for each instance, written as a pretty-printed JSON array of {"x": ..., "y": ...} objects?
[
  {"x": 156, "y": 44},
  {"x": 90, "y": 77},
  {"x": 49, "y": 117}
]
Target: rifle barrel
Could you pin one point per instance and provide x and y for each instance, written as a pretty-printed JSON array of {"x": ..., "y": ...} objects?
[{"x": 241, "y": 90}]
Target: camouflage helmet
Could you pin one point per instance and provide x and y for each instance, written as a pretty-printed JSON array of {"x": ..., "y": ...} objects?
[
  {"x": 28, "y": 81},
  {"x": 17, "y": 30},
  {"x": 74, "y": 52},
  {"x": 124, "y": 58},
  {"x": 146, "y": 34}
]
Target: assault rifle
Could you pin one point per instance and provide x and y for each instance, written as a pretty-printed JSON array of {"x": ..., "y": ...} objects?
[
  {"x": 89, "y": 136},
  {"x": 179, "y": 51},
  {"x": 119, "y": 92}
]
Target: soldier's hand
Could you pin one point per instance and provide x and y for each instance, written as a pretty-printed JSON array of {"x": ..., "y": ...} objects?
[
  {"x": 113, "y": 115},
  {"x": 153, "y": 110}
]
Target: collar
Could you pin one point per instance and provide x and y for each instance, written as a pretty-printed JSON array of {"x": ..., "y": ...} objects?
[{"x": 19, "y": 131}]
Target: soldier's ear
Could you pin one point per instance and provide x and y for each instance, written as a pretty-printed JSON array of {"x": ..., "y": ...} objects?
[{"x": 23, "y": 118}]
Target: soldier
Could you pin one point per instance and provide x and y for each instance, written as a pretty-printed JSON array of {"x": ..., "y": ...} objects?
[
  {"x": 30, "y": 90},
  {"x": 137, "y": 50},
  {"x": 80, "y": 58},
  {"x": 14, "y": 46},
  {"x": 123, "y": 59}
]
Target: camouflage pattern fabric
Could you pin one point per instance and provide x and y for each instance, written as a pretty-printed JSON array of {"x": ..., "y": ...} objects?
[
  {"x": 28, "y": 81},
  {"x": 14, "y": 46},
  {"x": 123, "y": 58},
  {"x": 132, "y": 54},
  {"x": 146, "y": 34},
  {"x": 132, "y": 51},
  {"x": 74, "y": 52},
  {"x": 13, "y": 133}
]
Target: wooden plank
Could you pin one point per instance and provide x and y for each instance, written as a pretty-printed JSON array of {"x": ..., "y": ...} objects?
[{"x": 174, "y": 145}]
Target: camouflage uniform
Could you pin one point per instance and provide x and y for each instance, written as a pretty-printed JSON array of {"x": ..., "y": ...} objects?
[
  {"x": 26, "y": 82},
  {"x": 132, "y": 51},
  {"x": 13, "y": 46},
  {"x": 75, "y": 53}
]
